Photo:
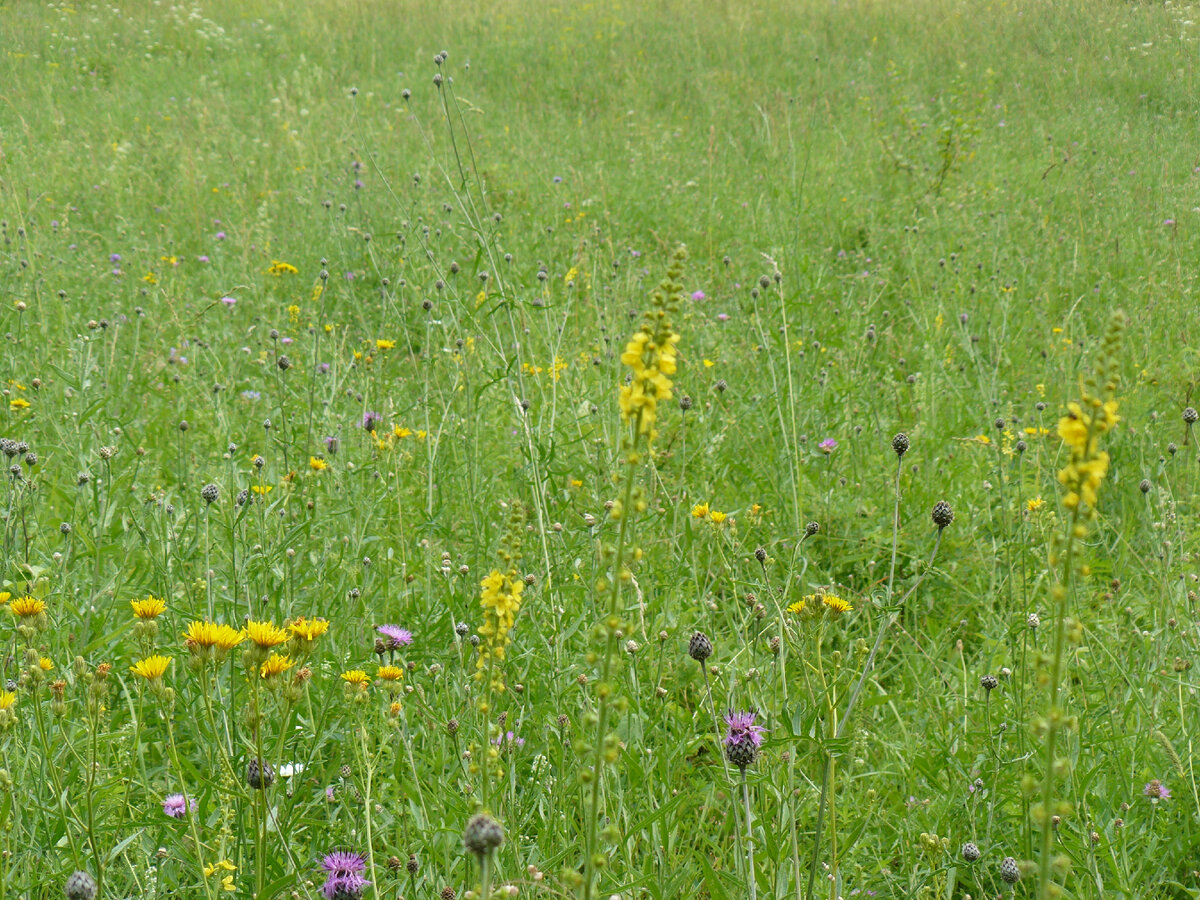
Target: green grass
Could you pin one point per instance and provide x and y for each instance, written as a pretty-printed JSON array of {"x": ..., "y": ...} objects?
[{"x": 903, "y": 217}]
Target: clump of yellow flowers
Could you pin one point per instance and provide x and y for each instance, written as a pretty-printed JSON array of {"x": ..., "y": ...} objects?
[
  {"x": 500, "y": 598},
  {"x": 651, "y": 355},
  {"x": 1086, "y": 422}
]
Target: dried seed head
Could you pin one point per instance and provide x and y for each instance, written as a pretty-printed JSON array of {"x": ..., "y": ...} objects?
[
  {"x": 210, "y": 492},
  {"x": 942, "y": 514},
  {"x": 700, "y": 647},
  {"x": 760, "y": 554},
  {"x": 1190, "y": 415},
  {"x": 483, "y": 834},
  {"x": 81, "y": 886},
  {"x": 989, "y": 682},
  {"x": 812, "y": 528},
  {"x": 970, "y": 852},
  {"x": 1010, "y": 872},
  {"x": 1144, "y": 486},
  {"x": 900, "y": 444}
]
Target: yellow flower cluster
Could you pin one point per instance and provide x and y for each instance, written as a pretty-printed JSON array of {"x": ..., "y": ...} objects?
[
  {"x": 500, "y": 599},
  {"x": 651, "y": 355},
  {"x": 1080, "y": 430}
]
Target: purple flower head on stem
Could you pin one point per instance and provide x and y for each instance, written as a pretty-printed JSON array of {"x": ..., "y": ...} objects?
[
  {"x": 699, "y": 295},
  {"x": 114, "y": 258},
  {"x": 177, "y": 806},
  {"x": 343, "y": 879},
  {"x": 509, "y": 741},
  {"x": 1156, "y": 790},
  {"x": 828, "y": 445},
  {"x": 229, "y": 301},
  {"x": 370, "y": 420},
  {"x": 739, "y": 727},
  {"x": 397, "y": 637}
]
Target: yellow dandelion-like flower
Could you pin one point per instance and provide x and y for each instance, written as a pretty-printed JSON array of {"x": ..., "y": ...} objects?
[
  {"x": 18, "y": 403},
  {"x": 700, "y": 511},
  {"x": 389, "y": 673},
  {"x": 266, "y": 634},
  {"x": 796, "y": 608},
  {"x": 7, "y": 699},
  {"x": 275, "y": 665},
  {"x": 357, "y": 677},
  {"x": 281, "y": 268},
  {"x": 317, "y": 464},
  {"x": 46, "y": 664},
  {"x": 308, "y": 630},
  {"x": 717, "y": 517},
  {"x": 222, "y": 866},
  {"x": 150, "y": 608},
  {"x": 835, "y": 604},
  {"x": 385, "y": 344},
  {"x": 152, "y": 667},
  {"x": 200, "y": 634},
  {"x": 25, "y": 607},
  {"x": 150, "y": 278},
  {"x": 226, "y": 637},
  {"x": 1033, "y": 504},
  {"x": 261, "y": 489}
]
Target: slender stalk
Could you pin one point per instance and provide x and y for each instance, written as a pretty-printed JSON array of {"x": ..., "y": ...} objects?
[{"x": 749, "y": 839}]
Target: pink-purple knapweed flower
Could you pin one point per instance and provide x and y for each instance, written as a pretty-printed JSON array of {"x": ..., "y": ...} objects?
[
  {"x": 397, "y": 637},
  {"x": 370, "y": 420},
  {"x": 1156, "y": 790},
  {"x": 698, "y": 295},
  {"x": 343, "y": 875},
  {"x": 742, "y": 737},
  {"x": 827, "y": 446},
  {"x": 177, "y": 806}
]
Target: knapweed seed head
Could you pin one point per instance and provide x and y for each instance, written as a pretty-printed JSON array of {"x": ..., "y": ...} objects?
[
  {"x": 209, "y": 493},
  {"x": 1010, "y": 871},
  {"x": 900, "y": 444},
  {"x": 700, "y": 647},
  {"x": 942, "y": 514},
  {"x": 1190, "y": 415},
  {"x": 989, "y": 683},
  {"x": 482, "y": 835},
  {"x": 80, "y": 886},
  {"x": 259, "y": 775},
  {"x": 970, "y": 852}
]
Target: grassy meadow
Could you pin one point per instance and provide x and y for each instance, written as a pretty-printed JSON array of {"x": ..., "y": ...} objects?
[{"x": 393, "y": 508}]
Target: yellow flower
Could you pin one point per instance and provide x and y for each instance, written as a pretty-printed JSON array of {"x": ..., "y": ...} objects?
[
  {"x": 796, "y": 608},
  {"x": 383, "y": 344},
  {"x": 18, "y": 403},
  {"x": 700, "y": 511},
  {"x": 275, "y": 665},
  {"x": 265, "y": 634},
  {"x": 835, "y": 604},
  {"x": 357, "y": 677},
  {"x": 1034, "y": 504},
  {"x": 152, "y": 667},
  {"x": 261, "y": 489},
  {"x": 305, "y": 630},
  {"x": 389, "y": 673},
  {"x": 150, "y": 278},
  {"x": 25, "y": 607},
  {"x": 150, "y": 608},
  {"x": 317, "y": 464},
  {"x": 224, "y": 865},
  {"x": 717, "y": 517},
  {"x": 281, "y": 268},
  {"x": 7, "y": 699},
  {"x": 200, "y": 634},
  {"x": 401, "y": 432},
  {"x": 46, "y": 664},
  {"x": 226, "y": 637},
  {"x": 501, "y": 600},
  {"x": 293, "y": 312}
]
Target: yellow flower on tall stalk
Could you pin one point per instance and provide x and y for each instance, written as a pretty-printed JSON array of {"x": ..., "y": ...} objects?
[
  {"x": 151, "y": 668},
  {"x": 305, "y": 631},
  {"x": 208, "y": 640},
  {"x": 265, "y": 635},
  {"x": 651, "y": 355},
  {"x": 1087, "y": 465},
  {"x": 275, "y": 665},
  {"x": 149, "y": 608},
  {"x": 27, "y": 607},
  {"x": 500, "y": 599}
]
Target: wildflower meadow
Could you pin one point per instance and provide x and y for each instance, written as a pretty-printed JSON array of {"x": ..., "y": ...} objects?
[{"x": 599, "y": 450}]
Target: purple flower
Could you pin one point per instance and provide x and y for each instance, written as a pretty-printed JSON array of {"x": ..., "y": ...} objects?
[
  {"x": 202, "y": 259},
  {"x": 558, "y": 179},
  {"x": 1156, "y": 790},
  {"x": 828, "y": 445},
  {"x": 331, "y": 445},
  {"x": 397, "y": 637},
  {"x": 699, "y": 295},
  {"x": 220, "y": 235},
  {"x": 323, "y": 368},
  {"x": 722, "y": 317},
  {"x": 229, "y": 301},
  {"x": 251, "y": 395},
  {"x": 343, "y": 879},
  {"x": 740, "y": 728},
  {"x": 508, "y": 741},
  {"x": 177, "y": 806},
  {"x": 114, "y": 258},
  {"x": 370, "y": 420}
]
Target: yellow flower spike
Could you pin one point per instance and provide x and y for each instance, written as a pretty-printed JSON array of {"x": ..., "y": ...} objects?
[
  {"x": 150, "y": 608},
  {"x": 151, "y": 668}
]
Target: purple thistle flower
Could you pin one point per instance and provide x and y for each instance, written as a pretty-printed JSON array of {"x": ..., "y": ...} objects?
[
  {"x": 331, "y": 445},
  {"x": 828, "y": 445},
  {"x": 343, "y": 862},
  {"x": 740, "y": 727},
  {"x": 344, "y": 887},
  {"x": 370, "y": 420},
  {"x": 1156, "y": 790},
  {"x": 397, "y": 637},
  {"x": 509, "y": 741},
  {"x": 229, "y": 301},
  {"x": 177, "y": 806},
  {"x": 202, "y": 259},
  {"x": 699, "y": 295},
  {"x": 220, "y": 235},
  {"x": 114, "y": 258}
]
